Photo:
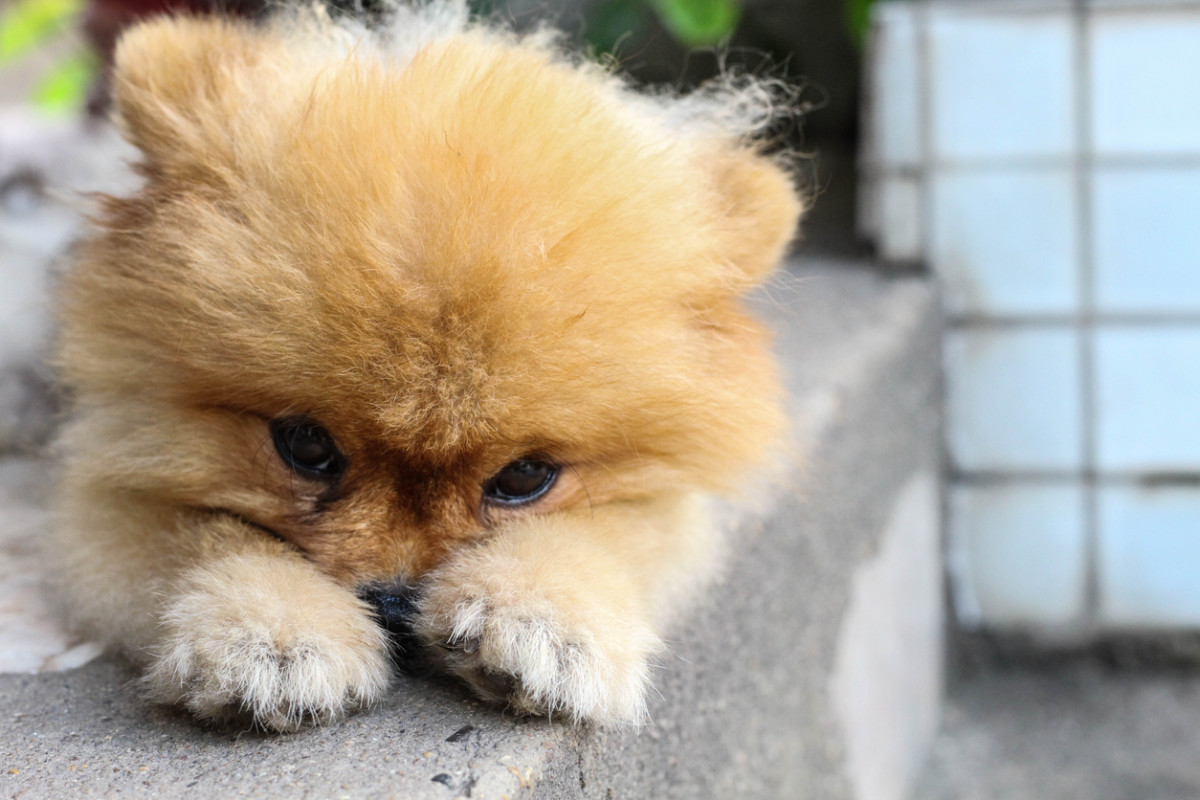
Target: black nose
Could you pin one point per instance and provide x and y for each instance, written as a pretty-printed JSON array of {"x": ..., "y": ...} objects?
[{"x": 395, "y": 607}]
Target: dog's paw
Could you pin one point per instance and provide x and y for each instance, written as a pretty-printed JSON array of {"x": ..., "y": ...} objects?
[
  {"x": 544, "y": 650},
  {"x": 252, "y": 640}
]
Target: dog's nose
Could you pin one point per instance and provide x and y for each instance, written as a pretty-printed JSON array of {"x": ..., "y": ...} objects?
[{"x": 395, "y": 606}]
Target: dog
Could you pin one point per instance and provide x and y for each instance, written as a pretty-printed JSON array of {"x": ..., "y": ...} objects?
[{"x": 417, "y": 340}]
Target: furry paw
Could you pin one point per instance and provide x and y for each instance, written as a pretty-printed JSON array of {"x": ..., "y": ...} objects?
[
  {"x": 280, "y": 651},
  {"x": 538, "y": 649}
]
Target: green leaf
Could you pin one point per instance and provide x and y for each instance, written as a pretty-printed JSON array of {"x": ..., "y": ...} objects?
[
  {"x": 698, "y": 22},
  {"x": 25, "y": 23},
  {"x": 858, "y": 19},
  {"x": 613, "y": 21},
  {"x": 65, "y": 88}
]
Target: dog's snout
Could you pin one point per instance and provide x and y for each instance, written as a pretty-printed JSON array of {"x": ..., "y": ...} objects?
[{"x": 395, "y": 608}]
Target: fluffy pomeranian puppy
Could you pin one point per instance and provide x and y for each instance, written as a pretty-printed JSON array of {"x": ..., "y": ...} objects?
[{"x": 416, "y": 341}]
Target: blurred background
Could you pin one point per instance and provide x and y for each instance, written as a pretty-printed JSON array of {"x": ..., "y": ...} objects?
[
  {"x": 1039, "y": 160},
  {"x": 53, "y": 55}
]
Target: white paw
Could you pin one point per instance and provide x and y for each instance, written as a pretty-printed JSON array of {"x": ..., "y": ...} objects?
[
  {"x": 232, "y": 652},
  {"x": 521, "y": 650}
]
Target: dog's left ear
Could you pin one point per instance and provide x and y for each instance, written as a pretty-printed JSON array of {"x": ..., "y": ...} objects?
[
  {"x": 177, "y": 84},
  {"x": 760, "y": 209}
]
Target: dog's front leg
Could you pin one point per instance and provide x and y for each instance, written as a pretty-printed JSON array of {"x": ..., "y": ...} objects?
[
  {"x": 226, "y": 621},
  {"x": 562, "y": 613},
  {"x": 257, "y": 633}
]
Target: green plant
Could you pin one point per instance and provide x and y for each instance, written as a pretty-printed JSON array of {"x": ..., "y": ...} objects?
[
  {"x": 26, "y": 24},
  {"x": 693, "y": 23},
  {"x": 858, "y": 19}
]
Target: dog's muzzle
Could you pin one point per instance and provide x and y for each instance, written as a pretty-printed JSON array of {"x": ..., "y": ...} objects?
[{"x": 395, "y": 609}]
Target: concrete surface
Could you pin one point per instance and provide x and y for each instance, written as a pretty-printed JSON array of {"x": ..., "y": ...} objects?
[
  {"x": 745, "y": 705},
  {"x": 1077, "y": 729},
  {"x": 887, "y": 678},
  {"x": 83, "y": 734},
  {"x": 31, "y": 636}
]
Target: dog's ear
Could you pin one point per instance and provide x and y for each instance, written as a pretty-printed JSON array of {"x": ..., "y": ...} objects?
[
  {"x": 178, "y": 81},
  {"x": 760, "y": 211}
]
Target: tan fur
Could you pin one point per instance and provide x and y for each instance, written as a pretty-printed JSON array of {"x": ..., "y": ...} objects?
[{"x": 452, "y": 254}]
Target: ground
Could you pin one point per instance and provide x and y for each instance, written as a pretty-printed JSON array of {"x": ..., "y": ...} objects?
[{"x": 1084, "y": 726}]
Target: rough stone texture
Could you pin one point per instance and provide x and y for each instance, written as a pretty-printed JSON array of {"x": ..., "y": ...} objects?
[
  {"x": 84, "y": 734},
  {"x": 744, "y": 704}
]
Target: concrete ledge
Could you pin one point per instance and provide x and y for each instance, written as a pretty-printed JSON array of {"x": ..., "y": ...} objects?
[{"x": 811, "y": 671}]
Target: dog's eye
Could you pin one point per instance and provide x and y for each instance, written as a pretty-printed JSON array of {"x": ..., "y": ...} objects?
[
  {"x": 307, "y": 448},
  {"x": 520, "y": 482}
]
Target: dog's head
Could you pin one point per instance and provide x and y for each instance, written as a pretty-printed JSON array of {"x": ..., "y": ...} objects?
[{"x": 379, "y": 307}]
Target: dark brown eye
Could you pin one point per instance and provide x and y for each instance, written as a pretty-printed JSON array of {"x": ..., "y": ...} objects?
[
  {"x": 520, "y": 482},
  {"x": 307, "y": 448}
]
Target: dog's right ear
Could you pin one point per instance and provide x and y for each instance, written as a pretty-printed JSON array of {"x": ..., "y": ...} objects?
[
  {"x": 178, "y": 82},
  {"x": 760, "y": 207}
]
